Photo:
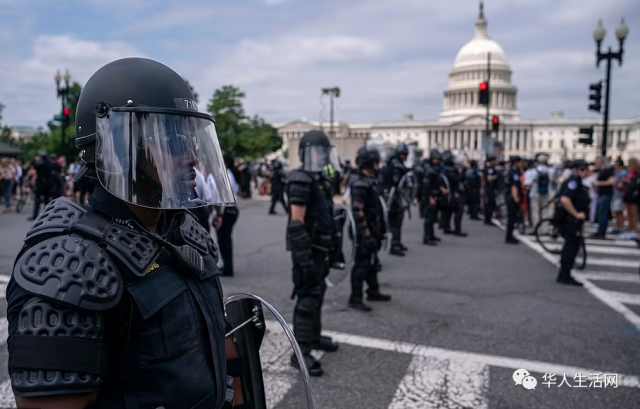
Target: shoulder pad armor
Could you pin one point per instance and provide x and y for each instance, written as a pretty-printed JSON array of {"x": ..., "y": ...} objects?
[
  {"x": 300, "y": 176},
  {"x": 192, "y": 233},
  {"x": 72, "y": 271},
  {"x": 134, "y": 249},
  {"x": 57, "y": 218},
  {"x": 361, "y": 183}
]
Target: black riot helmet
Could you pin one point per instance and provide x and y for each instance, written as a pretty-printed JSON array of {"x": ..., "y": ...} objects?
[
  {"x": 138, "y": 126},
  {"x": 368, "y": 158},
  {"x": 447, "y": 158},
  {"x": 315, "y": 152},
  {"x": 435, "y": 154},
  {"x": 402, "y": 149}
]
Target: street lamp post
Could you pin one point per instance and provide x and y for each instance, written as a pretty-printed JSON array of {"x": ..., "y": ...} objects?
[
  {"x": 598, "y": 35},
  {"x": 333, "y": 93},
  {"x": 63, "y": 91}
]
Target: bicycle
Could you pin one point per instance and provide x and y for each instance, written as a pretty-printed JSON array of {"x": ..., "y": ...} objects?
[
  {"x": 24, "y": 198},
  {"x": 549, "y": 238}
]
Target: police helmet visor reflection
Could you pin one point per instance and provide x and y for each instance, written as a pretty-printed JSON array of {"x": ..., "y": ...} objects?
[
  {"x": 316, "y": 158},
  {"x": 150, "y": 160},
  {"x": 334, "y": 159}
]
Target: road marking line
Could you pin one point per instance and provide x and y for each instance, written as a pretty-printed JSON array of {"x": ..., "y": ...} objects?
[
  {"x": 608, "y": 276},
  {"x": 621, "y": 251},
  {"x": 608, "y": 242},
  {"x": 4, "y": 278},
  {"x": 6, "y": 395},
  {"x": 3, "y": 292},
  {"x": 630, "y": 381},
  {"x": 432, "y": 383},
  {"x": 626, "y": 298},
  {"x": 597, "y": 292}
]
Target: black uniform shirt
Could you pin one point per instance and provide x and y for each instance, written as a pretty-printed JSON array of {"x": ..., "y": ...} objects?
[
  {"x": 490, "y": 171},
  {"x": 513, "y": 179},
  {"x": 577, "y": 192}
]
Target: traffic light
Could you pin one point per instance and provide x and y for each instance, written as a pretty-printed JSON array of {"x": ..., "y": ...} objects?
[
  {"x": 588, "y": 139},
  {"x": 66, "y": 117},
  {"x": 483, "y": 93},
  {"x": 595, "y": 97},
  {"x": 495, "y": 123}
]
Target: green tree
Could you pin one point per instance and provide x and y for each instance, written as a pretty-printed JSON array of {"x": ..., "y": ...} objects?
[
  {"x": 195, "y": 94},
  {"x": 241, "y": 136}
]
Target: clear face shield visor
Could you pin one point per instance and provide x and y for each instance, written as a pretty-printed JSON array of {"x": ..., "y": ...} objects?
[
  {"x": 320, "y": 159},
  {"x": 161, "y": 158},
  {"x": 411, "y": 156},
  {"x": 378, "y": 145}
]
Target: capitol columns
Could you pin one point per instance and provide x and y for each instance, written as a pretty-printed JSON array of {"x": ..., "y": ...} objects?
[{"x": 598, "y": 35}]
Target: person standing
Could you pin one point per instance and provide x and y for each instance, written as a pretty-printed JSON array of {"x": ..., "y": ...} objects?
[
  {"x": 278, "y": 183},
  {"x": 514, "y": 197},
  {"x": 604, "y": 186},
  {"x": 309, "y": 239},
  {"x": 574, "y": 200},
  {"x": 617, "y": 205},
  {"x": 230, "y": 216}
]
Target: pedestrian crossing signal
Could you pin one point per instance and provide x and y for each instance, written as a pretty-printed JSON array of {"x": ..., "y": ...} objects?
[
  {"x": 588, "y": 136},
  {"x": 66, "y": 117},
  {"x": 483, "y": 94}
]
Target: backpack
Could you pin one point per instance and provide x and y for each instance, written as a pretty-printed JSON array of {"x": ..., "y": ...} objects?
[
  {"x": 632, "y": 191},
  {"x": 543, "y": 182}
]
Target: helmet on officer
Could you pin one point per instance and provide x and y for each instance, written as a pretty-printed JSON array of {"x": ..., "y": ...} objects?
[
  {"x": 401, "y": 150},
  {"x": 315, "y": 152},
  {"x": 368, "y": 158},
  {"x": 579, "y": 163},
  {"x": 448, "y": 158},
  {"x": 140, "y": 131}
]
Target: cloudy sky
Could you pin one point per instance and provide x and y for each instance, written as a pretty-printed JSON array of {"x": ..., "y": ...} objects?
[{"x": 389, "y": 57}]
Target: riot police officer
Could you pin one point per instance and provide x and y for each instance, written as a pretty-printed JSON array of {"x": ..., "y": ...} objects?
[
  {"x": 514, "y": 195},
  {"x": 128, "y": 284},
  {"x": 309, "y": 238},
  {"x": 394, "y": 172},
  {"x": 432, "y": 190},
  {"x": 455, "y": 206},
  {"x": 575, "y": 202},
  {"x": 472, "y": 181},
  {"x": 369, "y": 219},
  {"x": 491, "y": 185}
]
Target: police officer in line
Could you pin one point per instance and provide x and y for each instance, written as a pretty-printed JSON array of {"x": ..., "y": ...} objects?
[
  {"x": 514, "y": 194},
  {"x": 134, "y": 303},
  {"x": 455, "y": 205},
  {"x": 432, "y": 191},
  {"x": 278, "y": 183},
  {"x": 490, "y": 181},
  {"x": 575, "y": 202},
  {"x": 48, "y": 181},
  {"x": 310, "y": 238},
  {"x": 370, "y": 229},
  {"x": 396, "y": 169},
  {"x": 473, "y": 183}
]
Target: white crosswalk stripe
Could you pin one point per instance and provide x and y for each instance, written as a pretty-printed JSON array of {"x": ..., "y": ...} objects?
[
  {"x": 434, "y": 378},
  {"x": 610, "y": 261}
]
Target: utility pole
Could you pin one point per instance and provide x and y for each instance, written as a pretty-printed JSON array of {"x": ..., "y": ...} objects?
[
  {"x": 333, "y": 93},
  {"x": 487, "y": 119}
]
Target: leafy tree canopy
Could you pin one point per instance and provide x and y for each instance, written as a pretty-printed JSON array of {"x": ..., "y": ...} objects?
[{"x": 241, "y": 136}]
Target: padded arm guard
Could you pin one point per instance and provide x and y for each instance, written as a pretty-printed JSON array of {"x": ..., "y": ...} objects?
[
  {"x": 300, "y": 243},
  {"x": 358, "y": 199},
  {"x": 58, "y": 347},
  {"x": 299, "y": 188}
]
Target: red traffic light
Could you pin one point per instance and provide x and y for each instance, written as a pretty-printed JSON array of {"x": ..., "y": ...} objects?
[
  {"x": 496, "y": 120},
  {"x": 66, "y": 112},
  {"x": 484, "y": 86}
]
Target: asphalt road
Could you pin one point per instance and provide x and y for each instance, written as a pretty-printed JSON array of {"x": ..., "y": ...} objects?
[{"x": 464, "y": 316}]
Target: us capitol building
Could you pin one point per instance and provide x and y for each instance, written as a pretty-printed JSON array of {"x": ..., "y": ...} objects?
[{"x": 461, "y": 125}]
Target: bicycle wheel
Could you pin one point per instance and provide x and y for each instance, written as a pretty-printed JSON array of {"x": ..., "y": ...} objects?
[
  {"x": 547, "y": 236},
  {"x": 581, "y": 258},
  {"x": 21, "y": 202}
]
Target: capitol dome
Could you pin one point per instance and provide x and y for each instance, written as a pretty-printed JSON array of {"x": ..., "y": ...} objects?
[{"x": 472, "y": 67}]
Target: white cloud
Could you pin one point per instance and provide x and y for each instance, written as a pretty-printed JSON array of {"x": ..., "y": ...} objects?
[
  {"x": 388, "y": 57},
  {"x": 273, "y": 2},
  {"x": 28, "y": 88}
]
